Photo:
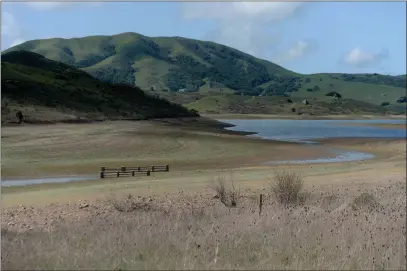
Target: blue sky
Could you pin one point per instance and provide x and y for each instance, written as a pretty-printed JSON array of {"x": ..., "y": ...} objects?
[{"x": 307, "y": 37}]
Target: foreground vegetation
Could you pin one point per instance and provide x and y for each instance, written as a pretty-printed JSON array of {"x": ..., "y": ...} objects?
[
  {"x": 175, "y": 63},
  {"x": 330, "y": 228},
  {"x": 46, "y": 90}
]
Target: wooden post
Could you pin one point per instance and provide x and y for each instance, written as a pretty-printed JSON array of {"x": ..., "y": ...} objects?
[
  {"x": 102, "y": 168},
  {"x": 152, "y": 168},
  {"x": 132, "y": 173},
  {"x": 118, "y": 173},
  {"x": 138, "y": 169},
  {"x": 167, "y": 168},
  {"x": 148, "y": 173},
  {"x": 260, "y": 204},
  {"x": 123, "y": 169},
  {"x": 102, "y": 174}
]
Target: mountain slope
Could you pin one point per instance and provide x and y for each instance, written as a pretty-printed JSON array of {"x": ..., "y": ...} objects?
[
  {"x": 31, "y": 81},
  {"x": 176, "y": 63}
]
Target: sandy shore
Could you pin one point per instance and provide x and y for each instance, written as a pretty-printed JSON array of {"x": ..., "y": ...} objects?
[
  {"x": 197, "y": 158},
  {"x": 81, "y": 149}
]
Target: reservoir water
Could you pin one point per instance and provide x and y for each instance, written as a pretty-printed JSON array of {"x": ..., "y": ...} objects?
[{"x": 307, "y": 131}]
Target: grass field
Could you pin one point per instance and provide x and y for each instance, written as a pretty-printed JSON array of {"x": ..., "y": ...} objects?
[
  {"x": 352, "y": 215},
  {"x": 213, "y": 102}
]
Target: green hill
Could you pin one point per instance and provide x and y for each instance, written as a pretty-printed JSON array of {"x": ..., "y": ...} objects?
[
  {"x": 49, "y": 90},
  {"x": 175, "y": 63}
]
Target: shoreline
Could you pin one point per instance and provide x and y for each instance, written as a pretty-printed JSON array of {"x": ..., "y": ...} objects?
[
  {"x": 302, "y": 117},
  {"x": 247, "y": 153},
  {"x": 378, "y": 125},
  {"x": 345, "y": 150}
]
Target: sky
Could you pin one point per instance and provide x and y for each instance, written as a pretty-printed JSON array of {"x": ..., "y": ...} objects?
[{"x": 306, "y": 37}]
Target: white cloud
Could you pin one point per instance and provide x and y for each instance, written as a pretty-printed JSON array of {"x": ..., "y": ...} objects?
[
  {"x": 10, "y": 30},
  {"x": 247, "y": 26},
  {"x": 299, "y": 49},
  {"x": 237, "y": 11},
  {"x": 362, "y": 59},
  {"x": 46, "y": 6}
]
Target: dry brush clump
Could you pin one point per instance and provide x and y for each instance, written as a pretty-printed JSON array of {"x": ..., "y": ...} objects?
[
  {"x": 365, "y": 201},
  {"x": 131, "y": 204},
  {"x": 286, "y": 187},
  {"x": 227, "y": 192},
  {"x": 304, "y": 236}
]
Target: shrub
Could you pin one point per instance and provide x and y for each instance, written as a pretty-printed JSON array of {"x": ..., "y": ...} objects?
[
  {"x": 286, "y": 187},
  {"x": 385, "y": 103},
  {"x": 227, "y": 195},
  {"x": 365, "y": 201}
]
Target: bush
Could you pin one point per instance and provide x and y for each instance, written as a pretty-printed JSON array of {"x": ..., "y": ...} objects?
[
  {"x": 385, "y": 103},
  {"x": 227, "y": 195},
  {"x": 365, "y": 201},
  {"x": 286, "y": 187}
]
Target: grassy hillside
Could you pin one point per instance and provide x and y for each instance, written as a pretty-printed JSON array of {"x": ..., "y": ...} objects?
[
  {"x": 174, "y": 63},
  {"x": 47, "y": 90},
  {"x": 214, "y": 102}
]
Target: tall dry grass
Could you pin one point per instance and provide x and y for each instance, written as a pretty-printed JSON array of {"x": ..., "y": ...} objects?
[{"x": 325, "y": 232}]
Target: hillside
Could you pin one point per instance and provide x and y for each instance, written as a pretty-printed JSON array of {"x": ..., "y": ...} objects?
[
  {"x": 49, "y": 90},
  {"x": 175, "y": 63},
  {"x": 224, "y": 103}
]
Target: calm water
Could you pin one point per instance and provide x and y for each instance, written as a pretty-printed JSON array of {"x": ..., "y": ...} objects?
[
  {"x": 306, "y": 131},
  {"x": 286, "y": 130}
]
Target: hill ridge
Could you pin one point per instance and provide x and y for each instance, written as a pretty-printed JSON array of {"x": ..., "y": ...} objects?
[
  {"x": 184, "y": 64},
  {"x": 44, "y": 88}
]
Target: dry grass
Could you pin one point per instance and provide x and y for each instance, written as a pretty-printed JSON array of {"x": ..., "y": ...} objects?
[
  {"x": 323, "y": 233},
  {"x": 286, "y": 187}
]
